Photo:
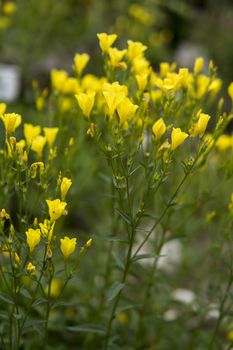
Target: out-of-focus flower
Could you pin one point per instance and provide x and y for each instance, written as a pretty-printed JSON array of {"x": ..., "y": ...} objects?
[
  {"x": 86, "y": 102},
  {"x": 80, "y": 62},
  {"x": 106, "y": 41},
  {"x": 50, "y": 134}
]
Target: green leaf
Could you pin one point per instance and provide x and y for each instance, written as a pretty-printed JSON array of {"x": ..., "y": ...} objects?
[
  {"x": 88, "y": 328},
  {"x": 39, "y": 301},
  {"x": 17, "y": 316},
  {"x": 6, "y": 298},
  {"x": 24, "y": 292},
  {"x": 118, "y": 261},
  {"x": 4, "y": 315},
  {"x": 125, "y": 217},
  {"x": 114, "y": 290},
  {"x": 143, "y": 256}
]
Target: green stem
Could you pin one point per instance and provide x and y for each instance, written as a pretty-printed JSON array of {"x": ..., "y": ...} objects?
[{"x": 221, "y": 313}]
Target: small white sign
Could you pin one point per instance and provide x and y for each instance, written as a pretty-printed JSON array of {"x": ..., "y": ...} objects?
[{"x": 9, "y": 82}]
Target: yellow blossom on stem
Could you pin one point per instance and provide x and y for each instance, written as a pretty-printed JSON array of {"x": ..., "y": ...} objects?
[
  {"x": 116, "y": 56},
  {"x": 46, "y": 229},
  {"x": 31, "y": 268},
  {"x": 114, "y": 93},
  {"x": 86, "y": 102},
  {"x": 40, "y": 103},
  {"x": 58, "y": 78},
  {"x": 65, "y": 186},
  {"x": 224, "y": 142},
  {"x": 230, "y": 90},
  {"x": 106, "y": 41},
  {"x": 56, "y": 208},
  {"x": 11, "y": 121},
  {"x": 38, "y": 144},
  {"x": 55, "y": 288},
  {"x": 126, "y": 109},
  {"x": 142, "y": 80},
  {"x": 88, "y": 243},
  {"x": 17, "y": 258},
  {"x": 177, "y": 137},
  {"x": 50, "y": 134},
  {"x": 140, "y": 65},
  {"x": 9, "y": 8},
  {"x": 33, "y": 168},
  {"x": 2, "y": 108},
  {"x": 80, "y": 62},
  {"x": 31, "y": 131},
  {"x": 135, "y": 49},
  {"x": 164, "y": 68},
  {"x": 159, "y": 128},
  {"x": 68, "y": 246},
  {"x": 33, "y": 238},
  {"x": 215, "y": 86},
  {"x": 200, "y": 126},
  {"x": 91, "y": 130},
  {"x": 198, "y": 65}
]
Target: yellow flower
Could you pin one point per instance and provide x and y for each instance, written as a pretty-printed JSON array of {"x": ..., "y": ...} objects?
[
  {"x": 17, "y": 258},
  {"x": 56, "y": 208},
  {"x": 230, "y": 205},
  {"x": 159, "y": 128},
  {"x": 178, "y": 137},
  {"x": 135, "y": 49},
  {"x": 2, "y": 108},
  {"x": 58, "y": 78},
  {"x": 230, "y": 90},
  {"x": 86, "y": 102},
  {"x": 106, "y": 41},
  {"x": 68, "y": 246},
  {"x": 164, "y": 69},
  {"x": 215, "y": 86},
  {"x": 224, "y": 142},
  {"x": 33, "y": 169},
  {"x": 88, "y": 243},
  {"x": 201, "y": 125},
  {"x": 40, "y": 103},
  {"x": 71, "y": 86},
  {"x": 9, "y": 8},
  {"x": 91, "y": 130},
  {"x": 140, "y": 65},
  {"x": 31, "y": 268},
  {"x": 50, "y": 134},
  {"x": 142, "y": 81},
  {"x": 38, "y": 144},
  {"x": 116, "y": 56},
  {"x": 64, "y": 187},
  {"x": 33, "y": 238},
  {"x": 65, "y": 104},
  {"x": 80, "y": 62},
  {"x": 198, "y": 65},
  {"x": 31, "y": 131},
  {"x": 114, "y": 94},
  {"x": 202, "y": 85},
  {"x": 11, "y": 121},
  {"x": 55, "y": 288},
  {"x": 46, "y": 229},
  {"x": 126, "y": 109}
]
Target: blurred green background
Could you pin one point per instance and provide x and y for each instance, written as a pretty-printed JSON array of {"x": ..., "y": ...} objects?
[{"x": 38, "y": 36}]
